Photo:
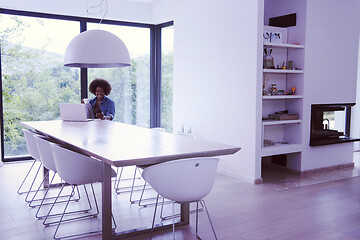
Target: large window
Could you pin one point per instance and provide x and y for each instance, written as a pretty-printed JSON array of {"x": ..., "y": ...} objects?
[
  {"x": 34, "y": 79},
  {"x": 167, "y": 48},
  {"x": 131, "y": 85}
]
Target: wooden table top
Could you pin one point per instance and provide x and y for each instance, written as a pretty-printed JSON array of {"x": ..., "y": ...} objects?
[{"x": 120, "y": 144}]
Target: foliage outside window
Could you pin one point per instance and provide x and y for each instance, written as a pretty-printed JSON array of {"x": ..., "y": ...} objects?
[
  {"x": 130, "y": 85},
  {"x": 34, "y": 79},
  {"x": 167, "y": 48}
]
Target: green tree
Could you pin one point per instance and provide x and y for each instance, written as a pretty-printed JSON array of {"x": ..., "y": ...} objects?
[{"x": 34, "y": 82}]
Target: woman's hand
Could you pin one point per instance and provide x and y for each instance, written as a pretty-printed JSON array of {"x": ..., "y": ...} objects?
[{"x": 99, "y": 115}]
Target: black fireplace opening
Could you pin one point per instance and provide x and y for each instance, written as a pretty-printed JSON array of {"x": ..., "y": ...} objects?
[{"x": 330, "y": 124}]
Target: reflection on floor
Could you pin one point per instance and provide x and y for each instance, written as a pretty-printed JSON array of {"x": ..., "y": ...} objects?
[{"x": 283, "y": 180}]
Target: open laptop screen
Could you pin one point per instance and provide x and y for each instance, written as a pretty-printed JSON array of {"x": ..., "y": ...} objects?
[{"x": 76, "y": 112}]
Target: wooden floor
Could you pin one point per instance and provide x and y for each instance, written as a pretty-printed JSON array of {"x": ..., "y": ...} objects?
[{"x": 316, "y": 210}]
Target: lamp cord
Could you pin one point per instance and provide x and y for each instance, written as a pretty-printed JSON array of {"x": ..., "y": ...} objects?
[{"x": 100, "y": 7}]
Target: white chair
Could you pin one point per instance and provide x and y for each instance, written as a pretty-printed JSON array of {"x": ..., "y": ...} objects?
[
  {"x": 77, "y": 169},
  {"x": 183, "y": 181},
  {"x": 33, "y": 149},
  {"x": 137, "y": 176},
  {"x": 134, "y": 187},
  {"x": 140, "y": 168},
  {"x": 47, "y": 160},
  {"x": 34, "y": 153}
]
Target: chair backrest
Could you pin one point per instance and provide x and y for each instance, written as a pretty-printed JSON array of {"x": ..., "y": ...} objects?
[
  {"x": 76, "y": 168},
  {"x": 184, "y": 180},
  {"x": 45, "y": 153},
  {"x": 31, "y": 144}
]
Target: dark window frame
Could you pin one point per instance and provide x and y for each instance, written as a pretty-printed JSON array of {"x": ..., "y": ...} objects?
[
  {"x": 156, "y": 98},
  {"x": 155, "y": 65}
]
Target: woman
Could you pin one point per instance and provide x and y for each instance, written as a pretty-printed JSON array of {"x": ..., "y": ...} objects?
[{"x": 103, "y": 107}]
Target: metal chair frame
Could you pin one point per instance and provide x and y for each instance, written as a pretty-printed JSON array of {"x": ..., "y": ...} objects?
[
  {"x": 78, "y": 218},
  {"x": 202, "y": 202}
]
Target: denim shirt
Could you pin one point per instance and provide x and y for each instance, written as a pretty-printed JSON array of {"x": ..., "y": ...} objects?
[{"x": 107, "y": 106}]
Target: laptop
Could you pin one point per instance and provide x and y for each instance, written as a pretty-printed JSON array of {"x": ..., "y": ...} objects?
[{"x": 74, "y": 112}]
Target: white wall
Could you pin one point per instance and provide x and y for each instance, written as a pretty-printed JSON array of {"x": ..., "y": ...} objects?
[
  {"x": 355, "y": 112},
  {"x": 215, "y": 75},
  {"x": 124, "y": 10},
  {"x": 163, "y": 11},
  {"x": 331, "y": 56}
]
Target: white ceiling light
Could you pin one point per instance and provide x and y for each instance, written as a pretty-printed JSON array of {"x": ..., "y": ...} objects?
[{"x": 96, "y": 49}]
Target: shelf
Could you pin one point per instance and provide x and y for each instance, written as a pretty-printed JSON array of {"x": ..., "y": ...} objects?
[
  {"x": 281, "y": 149},
  {"x": 283, "y": 45},
  {"x": 282, "y": 71},
  {"x": 279, "y": 122},
  {"x": 279, "y": 97}
]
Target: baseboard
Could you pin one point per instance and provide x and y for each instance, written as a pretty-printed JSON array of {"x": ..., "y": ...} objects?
[
  {"x": 281, "y": 168},
  {"x": 258, "y": 181},
  {"x": 325, "y": 169},
  {"x": 241, "y": 178}
]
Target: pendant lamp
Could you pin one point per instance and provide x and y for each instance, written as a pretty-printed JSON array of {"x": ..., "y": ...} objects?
[{"x": 96, "y": 49}]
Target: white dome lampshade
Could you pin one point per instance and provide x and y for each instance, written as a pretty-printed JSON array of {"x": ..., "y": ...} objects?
[{"x": 96, "y": 49}]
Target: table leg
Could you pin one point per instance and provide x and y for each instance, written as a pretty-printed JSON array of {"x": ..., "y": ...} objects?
[
  {"x": 46, "y": 180},
  {"x": 184, "y": 213},
  {"x": 106, "y": 203}
]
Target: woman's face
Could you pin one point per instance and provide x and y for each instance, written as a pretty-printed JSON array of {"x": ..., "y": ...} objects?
[{"x": 100, "y": 93}]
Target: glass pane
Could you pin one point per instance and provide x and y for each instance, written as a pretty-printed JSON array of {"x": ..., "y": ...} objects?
[
  {"x": 334, "y": 120},
  {"x": 34, "y": 79},
  {"x": 130, "y": 85},
  {"x": 167, "y": 49}
]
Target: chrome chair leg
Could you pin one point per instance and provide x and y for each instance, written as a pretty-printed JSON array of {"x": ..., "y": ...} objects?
[
  {"x": 173, "y": 220},
  {"x": 62, "y": 216},
  {"x": 20, "y": 192},
  {"x": 197, "y": 219},
  {"x": 207, "y": 212},
  {"x": 153, "y": 222},
  {"x": 178, "y": 214},
  {"x": 49, "y": 214},
  {"x": 162, "y": 208},
  {"x": 118, "y": 177},
  {"x": 38, "y": 189},
  {"x": 77, "y": 218},
  {"x": 42, "y": 201},
  {"x": 132, "y": 186},
  {"x": 58, "y": 214},
  {"x": 32, "y": 184},
  {"x": 44, "y": 197},
  {"x": 141, "y": 196},
  {"x": 124, "y": 189}
]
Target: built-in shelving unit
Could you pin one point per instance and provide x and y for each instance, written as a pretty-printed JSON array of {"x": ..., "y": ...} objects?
[{"x": 284, "y": 134}]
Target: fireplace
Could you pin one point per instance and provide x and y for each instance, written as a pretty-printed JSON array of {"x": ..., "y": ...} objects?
[{"x": 330, "y": 124}]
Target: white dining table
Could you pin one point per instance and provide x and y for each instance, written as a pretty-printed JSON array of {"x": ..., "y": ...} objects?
[{"x": 118, "y": 144}]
